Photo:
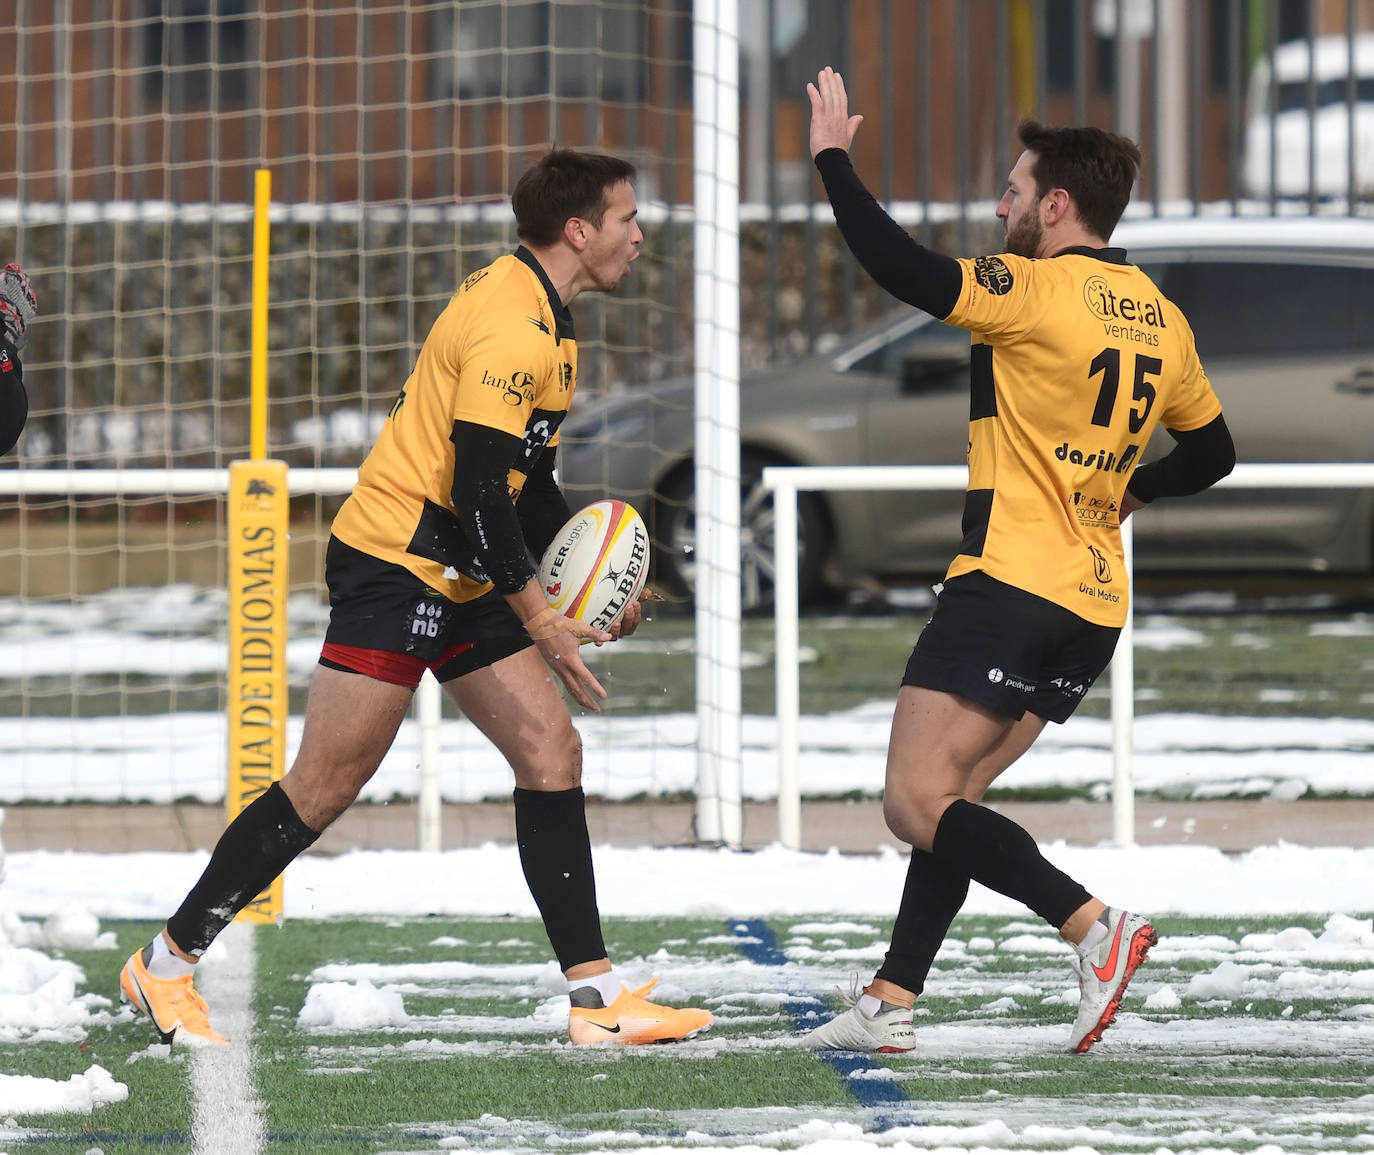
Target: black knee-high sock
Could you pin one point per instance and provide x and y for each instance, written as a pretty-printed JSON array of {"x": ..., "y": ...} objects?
[
  {"x": 254, "y": 848},
  {"x": 556, "y": 855},
  {"x": 933, "y": 894},
  {"x": 993, "y": 849}
]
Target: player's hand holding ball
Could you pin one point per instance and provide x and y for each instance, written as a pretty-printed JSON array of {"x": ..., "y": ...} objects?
[
  {"x": 18, "y": 305},
  {"x": 549, "y": 623},
  {"x": 591, "y": 578}
]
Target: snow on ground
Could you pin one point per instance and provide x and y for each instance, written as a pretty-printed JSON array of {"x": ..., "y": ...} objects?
[
  {"x": 66, "y": 893},
  {"x": 51, "y": 903}
]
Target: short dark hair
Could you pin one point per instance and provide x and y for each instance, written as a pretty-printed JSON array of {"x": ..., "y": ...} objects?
[
  {"x": 564, "y": 183},
  {"x": 1096, "y": 168}
]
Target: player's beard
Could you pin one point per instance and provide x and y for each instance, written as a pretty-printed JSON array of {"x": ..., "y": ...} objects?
[{"x": 1025, "y": 236}]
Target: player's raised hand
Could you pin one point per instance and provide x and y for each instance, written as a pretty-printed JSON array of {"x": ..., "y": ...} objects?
[
  {"x": 831, "y": 124},
  {"x": 18, "y": 306}
]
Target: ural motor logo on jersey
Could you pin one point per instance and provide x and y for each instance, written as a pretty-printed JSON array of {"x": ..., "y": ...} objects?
[{"x": 1102, "y": 570}]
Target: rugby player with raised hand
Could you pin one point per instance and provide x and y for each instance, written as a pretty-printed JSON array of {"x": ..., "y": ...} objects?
[{"x": 1076, "y": 358}]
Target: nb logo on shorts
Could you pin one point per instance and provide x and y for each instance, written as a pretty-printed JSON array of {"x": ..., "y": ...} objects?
[{"x": 425, "y": 620}]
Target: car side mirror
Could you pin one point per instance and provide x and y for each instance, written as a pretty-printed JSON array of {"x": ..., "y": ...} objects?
[{"x": 927, "y": 374}]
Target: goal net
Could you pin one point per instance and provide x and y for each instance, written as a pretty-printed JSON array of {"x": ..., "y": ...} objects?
[{"x": 394, "y": 133}]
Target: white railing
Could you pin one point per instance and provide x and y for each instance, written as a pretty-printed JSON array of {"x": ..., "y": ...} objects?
[
  {"x": 192, "y": 482},
  {"x": 787, "y": 481},
  {"x": 155, "y": 482}
]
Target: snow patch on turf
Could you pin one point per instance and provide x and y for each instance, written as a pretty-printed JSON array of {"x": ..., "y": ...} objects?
[{"x": 355, "y": 1006}]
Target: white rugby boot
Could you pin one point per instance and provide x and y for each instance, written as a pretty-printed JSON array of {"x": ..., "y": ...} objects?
[
  {"x": 1104, "y": 971},
  {"x": 889, "y": 1032}
]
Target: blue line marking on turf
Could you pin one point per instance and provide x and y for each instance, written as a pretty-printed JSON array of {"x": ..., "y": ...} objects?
[{"x": 757, "y": 942}]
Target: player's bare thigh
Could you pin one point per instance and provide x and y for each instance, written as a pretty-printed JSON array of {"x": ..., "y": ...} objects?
[
  {"x": 945, "y": 746},
  {"x": 350, "y": 723},
  {"x": 516, "y": 703}
]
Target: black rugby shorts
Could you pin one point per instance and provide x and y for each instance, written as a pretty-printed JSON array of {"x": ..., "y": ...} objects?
[
  {"x": 1008, "y": 649},
  {"x": 386, "y": 623}
]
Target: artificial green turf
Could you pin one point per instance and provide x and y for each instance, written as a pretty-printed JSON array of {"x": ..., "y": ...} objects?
[
  {"x": 556, "y": 1085},
  {"x": 549, "y": 1087},
  {"x": 1078, "y": 1077},
  {"x": 407, "y": 1089},
  {"x": 159, "y": 1113}
]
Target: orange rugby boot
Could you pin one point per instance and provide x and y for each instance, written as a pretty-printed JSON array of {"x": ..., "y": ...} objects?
[
  {"x": 633, "y": 1019},
  {"x": 173, "y": 1004}
]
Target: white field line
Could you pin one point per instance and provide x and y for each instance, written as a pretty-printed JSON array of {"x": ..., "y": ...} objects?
[{"x": 227, "y": 1116}]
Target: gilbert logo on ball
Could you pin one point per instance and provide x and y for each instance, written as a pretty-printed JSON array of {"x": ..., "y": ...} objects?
[{"x": 596, "y": 564}]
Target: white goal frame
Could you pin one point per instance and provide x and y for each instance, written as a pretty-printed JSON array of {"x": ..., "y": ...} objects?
[{"x": 787, "y": 481}]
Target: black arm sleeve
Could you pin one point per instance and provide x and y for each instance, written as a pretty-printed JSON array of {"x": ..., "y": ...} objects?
[
  {"x": 542, "y": 507},
  {"x": 1201, "y": 458},
  {"x": 909, "y": 271},
  {"x": 481, "y": 499},
  {"x": 14, "y": 401}
]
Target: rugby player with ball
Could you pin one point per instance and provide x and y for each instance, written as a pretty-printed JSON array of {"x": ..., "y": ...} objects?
[{"x": 429, "y": 568}]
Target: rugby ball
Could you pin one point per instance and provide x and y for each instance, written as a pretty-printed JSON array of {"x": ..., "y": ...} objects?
[{"x": 597, "y": 563}]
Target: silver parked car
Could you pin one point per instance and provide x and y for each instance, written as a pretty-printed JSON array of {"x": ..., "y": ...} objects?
[{"x": 1283, "y": 311}]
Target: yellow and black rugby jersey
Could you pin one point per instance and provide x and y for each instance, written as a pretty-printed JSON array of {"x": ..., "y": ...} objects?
[
  {"x": 502, "y": 354},
  {"x": 1076, "y": 360}
]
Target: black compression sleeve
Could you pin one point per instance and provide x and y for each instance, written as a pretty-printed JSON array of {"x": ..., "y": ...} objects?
[
  {"x": 1201, "y": 458},
  {"x": 481, "y": 499},
  {"x": 542, "y": 507},
  {"x": 14, "y": 402},
  {"x": 909, "y": 271}
]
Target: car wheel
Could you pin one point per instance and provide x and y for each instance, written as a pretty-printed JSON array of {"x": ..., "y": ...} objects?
[{"x": 674, "y": 532}]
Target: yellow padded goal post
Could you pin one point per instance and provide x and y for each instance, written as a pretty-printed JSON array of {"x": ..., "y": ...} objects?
[{"x": 258, "y": 583}]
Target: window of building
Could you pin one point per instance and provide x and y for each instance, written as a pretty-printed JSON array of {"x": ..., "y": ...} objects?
[
  {"x": 197, "y": 53},
  {"x": 594, "y": 49}
]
